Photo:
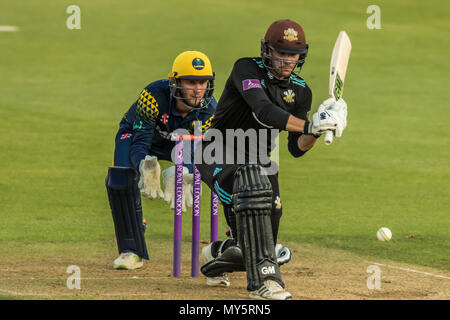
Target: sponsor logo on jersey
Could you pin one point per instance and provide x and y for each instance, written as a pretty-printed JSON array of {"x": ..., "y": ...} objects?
[
  {"x": 139, "y": 126},
  {"x": 164, "y": 118},
  {"x": 251, "y": 84},
  {"x": 125, "y": 136}
]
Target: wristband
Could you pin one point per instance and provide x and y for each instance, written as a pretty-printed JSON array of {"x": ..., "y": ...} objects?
[
  {"x": 306, "y": 127},
  {"x": 306, "y": 130}
]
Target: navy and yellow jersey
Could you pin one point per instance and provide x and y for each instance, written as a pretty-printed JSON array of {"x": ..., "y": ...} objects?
[{"x": 153, "y": 116}]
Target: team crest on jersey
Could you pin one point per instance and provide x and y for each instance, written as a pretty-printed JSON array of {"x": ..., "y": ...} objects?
[
  {"x": 290, "y": 34},
  {"x": 198, "y": 64},
  {"x": 289, "y": 96},
  {"x": 278, "y": 203}
]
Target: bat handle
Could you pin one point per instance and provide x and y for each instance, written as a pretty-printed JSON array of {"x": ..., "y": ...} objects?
[{"x": 328, "y": 137}]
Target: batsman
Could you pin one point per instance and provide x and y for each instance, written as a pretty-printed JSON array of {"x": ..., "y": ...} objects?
[
  {"x": 182, "y": 101},
  {"x": 262, "y": 93}
]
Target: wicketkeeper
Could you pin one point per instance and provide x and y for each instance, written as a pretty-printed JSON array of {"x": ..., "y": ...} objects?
[
  {"x": 261, "y": 94},
  {"x": 183, "y": 101}
]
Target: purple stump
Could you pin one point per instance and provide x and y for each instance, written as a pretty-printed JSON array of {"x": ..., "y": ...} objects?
[
  {"x": 196, "y": 224},
  {"x": 178, "y": 209},
  {"x": 214, "y": 216}
]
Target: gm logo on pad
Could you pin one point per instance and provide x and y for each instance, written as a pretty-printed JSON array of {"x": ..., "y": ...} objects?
[
  {"x": 198, "y": 64},
  {"x": 268, "y": 270}
]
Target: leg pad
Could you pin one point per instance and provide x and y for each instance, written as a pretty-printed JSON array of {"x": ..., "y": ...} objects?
[
  {"x": 125, "y": 202},
  {"x": 252, "y": 195}
]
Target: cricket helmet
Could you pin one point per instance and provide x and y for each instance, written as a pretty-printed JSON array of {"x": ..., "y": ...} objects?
[
  {"x": 285, "y": 36},
  {"x": 192, "y": 65}
]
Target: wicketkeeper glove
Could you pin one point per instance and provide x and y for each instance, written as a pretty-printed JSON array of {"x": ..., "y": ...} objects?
[
  {"x": 169, "y": 187},
  {"x": 149, "y": 182}
]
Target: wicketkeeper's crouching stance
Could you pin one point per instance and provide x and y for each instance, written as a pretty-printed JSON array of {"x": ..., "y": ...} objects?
[
  {"x": 144, "y": 137},
  {"x": 261, "y": 94}
]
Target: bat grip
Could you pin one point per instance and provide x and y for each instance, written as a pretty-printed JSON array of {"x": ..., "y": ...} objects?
[{"x": 328, "y": 137}]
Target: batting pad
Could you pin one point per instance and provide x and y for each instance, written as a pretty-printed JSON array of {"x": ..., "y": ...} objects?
[{"x": 252, "y": 196}]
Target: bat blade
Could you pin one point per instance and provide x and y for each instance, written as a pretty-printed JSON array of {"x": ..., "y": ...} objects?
[{"x": 338, "y": 70}]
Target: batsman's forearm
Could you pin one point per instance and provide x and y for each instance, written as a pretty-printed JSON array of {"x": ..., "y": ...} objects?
[
  {"x": 295, "y": 124},
  {"x": 306, "y": 142}
]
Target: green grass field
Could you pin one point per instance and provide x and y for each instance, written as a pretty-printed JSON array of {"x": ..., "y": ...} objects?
[{"x": 63, "y": 93}]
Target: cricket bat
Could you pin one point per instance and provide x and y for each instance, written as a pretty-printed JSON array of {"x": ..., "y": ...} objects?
[{"x": 338, "y": 69}]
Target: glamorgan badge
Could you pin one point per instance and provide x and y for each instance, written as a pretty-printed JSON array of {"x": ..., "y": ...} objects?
[{"x": 198, "y": 64}]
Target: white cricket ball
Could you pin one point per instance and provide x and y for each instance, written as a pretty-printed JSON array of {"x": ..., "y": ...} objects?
[{"x": 384, "y": 234}]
